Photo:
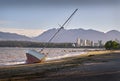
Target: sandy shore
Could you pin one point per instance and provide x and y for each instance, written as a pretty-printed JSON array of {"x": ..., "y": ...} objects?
[{"x": 93, "y": 66}]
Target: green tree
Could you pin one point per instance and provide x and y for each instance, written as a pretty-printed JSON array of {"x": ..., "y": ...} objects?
[
  {"x": 115, "y": 45},
  {"x": 109, "y": 45}
]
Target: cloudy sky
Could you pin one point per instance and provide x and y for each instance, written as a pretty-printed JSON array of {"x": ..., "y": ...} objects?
[{"x": 32, "y": 17}]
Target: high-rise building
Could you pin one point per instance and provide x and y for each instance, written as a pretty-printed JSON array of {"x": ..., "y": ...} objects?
[
  {"x": 100, "y": 43},
  {"x": 92, "y": 43},
  {"x": 78, "y": 43},
  {"x": 81, "y": 42}
]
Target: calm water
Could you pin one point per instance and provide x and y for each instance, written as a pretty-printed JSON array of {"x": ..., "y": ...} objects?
[{"x": 11, "y": 56}]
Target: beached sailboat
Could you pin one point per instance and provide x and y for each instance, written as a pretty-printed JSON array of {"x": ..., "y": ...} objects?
[
  {"x": 34, "y": 57},
  {"x": 37, "y": 57}
]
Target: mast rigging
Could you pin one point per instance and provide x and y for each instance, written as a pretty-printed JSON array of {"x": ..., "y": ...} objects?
[{"x": 60, "y": 28}]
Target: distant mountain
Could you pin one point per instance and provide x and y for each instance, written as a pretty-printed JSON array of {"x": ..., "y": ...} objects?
[
  {"x": 71, "y": 35},
  {"x": 13, "y": 36},
  {"x": 65, "y": 36},
  {"x": 113, "y": 34}
]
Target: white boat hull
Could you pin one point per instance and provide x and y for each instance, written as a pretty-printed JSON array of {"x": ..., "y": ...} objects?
[{"x": 34, "y": 57}]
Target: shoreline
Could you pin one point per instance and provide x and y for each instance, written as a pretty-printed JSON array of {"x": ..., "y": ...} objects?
[
  {"x": 69, "y": 65},
  {"x": 11, "y": 58}
]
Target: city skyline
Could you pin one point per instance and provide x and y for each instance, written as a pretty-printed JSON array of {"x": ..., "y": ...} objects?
[{"x": 32, "y": 20}]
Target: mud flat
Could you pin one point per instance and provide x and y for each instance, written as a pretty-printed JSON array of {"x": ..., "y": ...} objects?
[{"x": 92, "y": 66}]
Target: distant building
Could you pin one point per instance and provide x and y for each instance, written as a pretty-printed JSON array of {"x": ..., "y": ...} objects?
[
  {"x": 96, "y": 44},
  {"x": 78, "y": 43},
  {"x": 100, "y": 43},
  {"x": 73, "y": 45},
  {"x": 81, "y": 42},
  {"x": 92, "y": 43}
]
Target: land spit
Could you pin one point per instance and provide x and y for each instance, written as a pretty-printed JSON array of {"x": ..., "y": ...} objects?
[{"x": 93, "y": 66}]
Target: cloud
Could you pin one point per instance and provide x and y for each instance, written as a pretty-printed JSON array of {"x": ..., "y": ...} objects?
[{"x": 27, "y": 32}]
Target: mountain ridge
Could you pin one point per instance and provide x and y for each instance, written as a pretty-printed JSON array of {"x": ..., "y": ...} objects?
[
  {"x": 13, "y": 36},
  {"x": 65, "y": 35},
  {"x": 71, "y": 35}
]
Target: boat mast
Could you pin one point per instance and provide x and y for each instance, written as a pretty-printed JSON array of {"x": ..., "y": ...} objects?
[
  {"x": 69, "y": 17},
  {"x": 60, "y": 28}
]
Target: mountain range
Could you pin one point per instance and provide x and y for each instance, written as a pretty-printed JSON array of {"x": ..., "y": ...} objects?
[
  {"x": 69, "y": 36},
  {"x": 4, "y": 36}
]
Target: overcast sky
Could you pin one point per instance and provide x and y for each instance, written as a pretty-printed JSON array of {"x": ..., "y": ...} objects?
[{"x": 31, "y": 17}]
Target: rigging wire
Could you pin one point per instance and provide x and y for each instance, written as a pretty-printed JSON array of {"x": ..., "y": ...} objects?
[{"x": 59, "y": 29}]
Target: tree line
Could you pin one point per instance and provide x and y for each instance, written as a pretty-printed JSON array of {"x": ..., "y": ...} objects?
[
  {"x": 40, "y": 44},
  {"x": 33, "y": 44},
  {"x": 109, "y": 45}
]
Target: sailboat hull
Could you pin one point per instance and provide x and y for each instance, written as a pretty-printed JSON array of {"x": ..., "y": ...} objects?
[{"x": 34, "y": 57}]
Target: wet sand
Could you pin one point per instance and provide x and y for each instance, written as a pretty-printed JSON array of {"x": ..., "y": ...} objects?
[{"x": 94, "y": 66}]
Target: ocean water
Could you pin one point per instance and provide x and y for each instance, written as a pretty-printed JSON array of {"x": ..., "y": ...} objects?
[
  {"x": 15, "y": 55},
  {"x": 11, "y": 56}
]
